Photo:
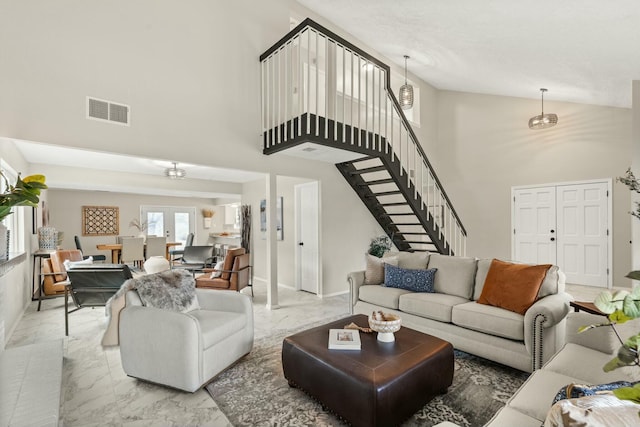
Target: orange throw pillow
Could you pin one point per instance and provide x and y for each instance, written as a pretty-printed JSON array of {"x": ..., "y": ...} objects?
[{"x": 513, "y": 287}]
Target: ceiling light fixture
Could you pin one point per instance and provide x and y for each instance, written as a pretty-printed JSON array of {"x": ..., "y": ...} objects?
[
  {"x": 406, "y": 90},
  {"x": 174, "y": 172},
  {"x": 543, "y": 120}
]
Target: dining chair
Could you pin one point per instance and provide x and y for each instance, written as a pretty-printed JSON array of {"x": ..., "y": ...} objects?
[
  {"x": 175, "y": 254},
  {"x": 132, "y": 251},
  {"x": 156, "y": 246},
  {"x": 101, "y": 258},
  {"x": 196, "y": 258}
]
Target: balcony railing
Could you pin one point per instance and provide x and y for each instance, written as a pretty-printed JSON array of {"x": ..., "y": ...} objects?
[{"x": 315, "y": 83}]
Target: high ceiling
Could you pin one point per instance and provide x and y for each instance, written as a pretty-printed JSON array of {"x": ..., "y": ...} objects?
[{"x": 583, "y": 51}]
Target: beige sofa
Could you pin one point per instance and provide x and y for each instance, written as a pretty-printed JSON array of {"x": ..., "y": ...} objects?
[
  {"x": 524, "y": 342},
  {"x": 580, "y": 361}
]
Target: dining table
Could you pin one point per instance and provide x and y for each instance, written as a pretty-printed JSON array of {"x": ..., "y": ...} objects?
[{"x": 115, "y": 249}]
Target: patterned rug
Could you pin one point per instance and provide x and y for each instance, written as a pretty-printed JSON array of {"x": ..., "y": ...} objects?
[{"x": 254, "y": 392}]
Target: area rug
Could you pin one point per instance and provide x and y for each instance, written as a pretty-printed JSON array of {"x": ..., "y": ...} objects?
[{"x": 254, "y": 392}]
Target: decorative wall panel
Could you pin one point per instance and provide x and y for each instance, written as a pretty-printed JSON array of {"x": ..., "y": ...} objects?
[{"x": 100, "y": 221}]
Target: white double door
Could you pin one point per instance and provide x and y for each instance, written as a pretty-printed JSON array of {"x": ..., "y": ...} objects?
[
  {"x": 567, "y": 225},
  {"x": 171, "y": 221}
]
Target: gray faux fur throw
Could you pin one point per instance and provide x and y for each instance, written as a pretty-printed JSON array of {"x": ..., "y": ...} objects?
[{"x": 170, "y": 290}]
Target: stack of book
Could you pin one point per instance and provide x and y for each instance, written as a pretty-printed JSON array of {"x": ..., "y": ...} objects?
[{"x": 344, "y": 339}]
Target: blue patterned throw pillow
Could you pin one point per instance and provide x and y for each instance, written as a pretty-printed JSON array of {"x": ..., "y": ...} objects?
[
  {"x": 410, "y": 280},
  {"x": 573, "y": 391}
]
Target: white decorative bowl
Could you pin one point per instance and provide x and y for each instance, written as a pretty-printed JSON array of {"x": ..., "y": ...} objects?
[
  {"x": 386, "y": 328},
  {"x": 156, "y": 264}
]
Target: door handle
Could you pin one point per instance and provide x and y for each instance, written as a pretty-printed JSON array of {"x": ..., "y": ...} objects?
[
  {"x": 301, "y": 244},
  {"x": 553, "y": 231},
  {"x": 553, "y": 239}
]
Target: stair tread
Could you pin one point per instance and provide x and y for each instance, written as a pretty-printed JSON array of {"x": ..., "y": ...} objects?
[
  {"x": 377, "y": 181},
  {"x": 385, "y": 193},
  {"x": 395, "y": 204},
  {"x": 368, "y": 170}
]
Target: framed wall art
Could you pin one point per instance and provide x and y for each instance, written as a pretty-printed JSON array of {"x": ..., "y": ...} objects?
[
  {"x": 263, "y": 218},
  {"x": 100, "y": 220}
]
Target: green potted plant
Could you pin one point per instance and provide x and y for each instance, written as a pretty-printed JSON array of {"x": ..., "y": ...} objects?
[
  {"x": 379, "y": 246},
  {"x": 25, "y": 192},
  {"x": 621, "y": 307}
]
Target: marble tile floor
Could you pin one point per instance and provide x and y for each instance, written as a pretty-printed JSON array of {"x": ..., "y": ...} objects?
[{"x": 96, "y": 391}]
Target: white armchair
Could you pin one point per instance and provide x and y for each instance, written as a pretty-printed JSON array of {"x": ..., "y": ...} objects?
[{"x": 185, "y": 350}]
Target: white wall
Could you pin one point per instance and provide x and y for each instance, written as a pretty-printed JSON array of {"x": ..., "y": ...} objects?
[
  {"x": 65, "y": 207},
  {"x": 346, "y": 230},
  {"x": 635, "y": 223},
  {"x": 253, "y": 193},
  {"x": 484, "y": 148},
  {"x": 191, "y": 76},
  {"x": 15, "y": 285}
]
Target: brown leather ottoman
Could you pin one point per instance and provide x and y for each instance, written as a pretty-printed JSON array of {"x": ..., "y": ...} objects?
[{"x": 382, "y": 384}]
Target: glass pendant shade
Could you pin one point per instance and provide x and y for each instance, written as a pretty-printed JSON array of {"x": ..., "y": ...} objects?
[
  {"x": 406, "y": 90},
  {"x": 543, "y": 121},
  {"x": 406, "y": 96},
  {"x": 175, "y": 172}
]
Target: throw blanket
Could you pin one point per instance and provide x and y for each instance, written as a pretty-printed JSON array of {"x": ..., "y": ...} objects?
[{"x": 170, "y": 290}]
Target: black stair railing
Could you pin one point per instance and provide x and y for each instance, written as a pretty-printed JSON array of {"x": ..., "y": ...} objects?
[{"x": 317, "y": 86}]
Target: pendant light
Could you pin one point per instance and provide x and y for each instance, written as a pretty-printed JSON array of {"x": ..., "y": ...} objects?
[
  {"x": 406, "y": 90},
  {"x": 543, "y": 120},
  {"x": 175, "y": 172}
]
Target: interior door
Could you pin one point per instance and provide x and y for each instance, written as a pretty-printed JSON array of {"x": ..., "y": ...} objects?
[
  {"x": 307, "y": 233},
  {"x": 174, "y": 222},
  {"x": 535, "y": 225},
  {"x": 583, "y": 233}
]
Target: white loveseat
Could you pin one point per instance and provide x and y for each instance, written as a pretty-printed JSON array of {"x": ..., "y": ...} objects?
[
  {"x": 524, "y": 342},
  {"x": 580, "y": 361}
]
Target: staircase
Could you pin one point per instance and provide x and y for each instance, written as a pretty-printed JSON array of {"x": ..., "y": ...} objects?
[{"x": 318, "y": 88}]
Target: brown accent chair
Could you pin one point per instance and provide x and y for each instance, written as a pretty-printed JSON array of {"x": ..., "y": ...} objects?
[
  {"x": 54, "y": 273},
  {"x": 234, "y": 274}
]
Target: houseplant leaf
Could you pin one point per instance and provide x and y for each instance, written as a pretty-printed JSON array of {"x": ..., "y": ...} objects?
[
  {"x": 628, "y": 393},
  {"x": 631, "y": 306},
  {"x": 605, "y": 302},
  {"x": 618, "y": 316}
]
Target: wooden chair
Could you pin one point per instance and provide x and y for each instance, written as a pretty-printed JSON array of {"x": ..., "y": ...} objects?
[
  {"x": 54, "y": 273},
  {"x": 234, "y": 274}
]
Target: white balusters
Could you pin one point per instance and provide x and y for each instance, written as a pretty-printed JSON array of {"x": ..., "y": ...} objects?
[{"x": 333, "y": 81}]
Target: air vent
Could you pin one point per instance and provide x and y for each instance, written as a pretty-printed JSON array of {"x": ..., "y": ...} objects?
[{"x": 107, "y": 111}]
